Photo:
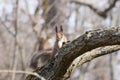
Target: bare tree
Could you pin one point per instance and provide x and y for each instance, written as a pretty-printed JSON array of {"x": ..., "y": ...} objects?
[
  {"x": 26, "y": 27},
  {"x": 100, "y": 13}
]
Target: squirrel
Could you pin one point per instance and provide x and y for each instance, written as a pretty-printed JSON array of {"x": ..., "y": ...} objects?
[{"x": 45, "y": 55}]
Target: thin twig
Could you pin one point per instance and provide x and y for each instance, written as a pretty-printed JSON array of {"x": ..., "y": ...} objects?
[
  {"x": 5, "y": 26},
  {"x": 100, "y": 13},
  {"x": 23, "y": 72},
  {"x": 15, "y": 60}
]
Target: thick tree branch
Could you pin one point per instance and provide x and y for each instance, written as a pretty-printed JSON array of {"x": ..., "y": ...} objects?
[
  {"x": 86, "y": 57},
  {"x": 100, "y": 13},
  {"x": 57, "y": 67}
]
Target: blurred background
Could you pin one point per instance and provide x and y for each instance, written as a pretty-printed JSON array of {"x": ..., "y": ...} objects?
[{"x": 27, "y": 26}]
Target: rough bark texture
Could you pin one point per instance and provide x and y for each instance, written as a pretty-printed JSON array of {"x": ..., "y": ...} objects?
[
  {"x": 88, "y": 56},
  {"x": 56, "y": 68}
]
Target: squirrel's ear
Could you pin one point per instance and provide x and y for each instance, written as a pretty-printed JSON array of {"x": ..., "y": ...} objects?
[
  {"x": 61, "y": 29},
  {"x": 56, "y": 29}
]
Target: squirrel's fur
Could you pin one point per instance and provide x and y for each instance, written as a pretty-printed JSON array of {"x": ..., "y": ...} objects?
[{"x": 45, "y": 55}]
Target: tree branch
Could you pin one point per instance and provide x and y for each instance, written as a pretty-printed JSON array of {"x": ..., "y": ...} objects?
[
  {"x": 100, "y": 13},
  {"x": 6, "y": 27},
  {"x": 22, "y": 72},
  {"x": 16, "y": 26},
  {"x": 86, "y": 57},
  {"x": 57, "y": 67}
]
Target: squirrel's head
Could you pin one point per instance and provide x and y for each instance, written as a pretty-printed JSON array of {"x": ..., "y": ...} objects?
[
  {"x": 60, "y": 37},
  {"x": 59, "y": 33}
]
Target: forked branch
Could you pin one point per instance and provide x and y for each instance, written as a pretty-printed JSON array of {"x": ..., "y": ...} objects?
[
  {"x": 56, "y": 68},
  {"x": 100, "y": 13},
  {"x": 88, "y": 56}
]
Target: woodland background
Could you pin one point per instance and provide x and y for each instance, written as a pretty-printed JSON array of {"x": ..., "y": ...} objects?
[{"x": 27, "y": 26}]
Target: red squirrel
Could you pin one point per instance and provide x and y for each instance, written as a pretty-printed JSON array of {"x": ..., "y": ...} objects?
[{"x": 45, "y": 55}]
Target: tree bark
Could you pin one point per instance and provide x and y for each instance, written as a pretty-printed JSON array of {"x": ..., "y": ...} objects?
[
  {"x": 56, "y": 68},
  {"x": 88, "y": 56}
]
